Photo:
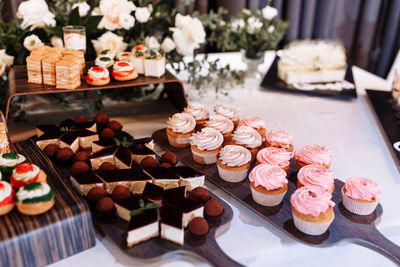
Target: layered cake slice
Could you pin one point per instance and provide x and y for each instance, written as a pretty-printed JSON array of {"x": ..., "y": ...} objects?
[
  {"x": 113, "y": 178},
  {"x": 189, "y": 177},
  {"x": 190, "y": 209},
  {"x": 123, "y": 158},
  {"x": 85, "y": 181},
  {"x": 126, "y": 205},
  {"x": 139, "y": 179},
  {"x": 174, "y": 195},
  {"x": 86, "y": 138},
  {"x": 171, "y": 224},
  {"x": 47, "y": 139},
  {"x": 142, "y": 227},
  {"x": 153, "y": 193},
  {"x": 101, "y": 156},
  {"x": 71, "y": 140},
  {"x": 89, "y": 125},
  {"x": 101, "y": 144},
  {"x": 140, "y": 151},
  {"x": 163, "y": 177},
  {"x": 46, "y": 128}
]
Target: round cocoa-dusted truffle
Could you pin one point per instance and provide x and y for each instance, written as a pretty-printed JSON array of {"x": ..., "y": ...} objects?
[
  {"x": 115, "y": 126},
  {"x": 81, "y": 156},
  {"x": 199, "y": 226},
  {"x": 101, "y": 119},
  {"x": 199, "y": 194},
  {"x": 107, "y": 166},
  {"x": 166, "y": 165},
  {"x": 168, "y": 157},
  {"x": 105, "y": 206},
  {"x": 51, "y": 150},
  {"x": 64, "y": 154},
  {"x": 81, "y": 119},
  {"x": 107, "y": 133},
  {"x": 120, "y": 192},
  {"x": 95, "y": 194},
  {"x": 148, "y": 162},
  {"x": 79, "y": 167},
  {"x": 213, "y": 208}
]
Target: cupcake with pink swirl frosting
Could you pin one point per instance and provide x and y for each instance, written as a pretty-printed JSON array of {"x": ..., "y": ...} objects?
[
  {"x": 275, "y": 156},
  {"x": 233, "y": 163},
  {"x": 256, "y": 123},
  {"x": 279, "y": 138},
  {"x": 222, "y": 124},
  {"x": 313, "y": 154},
  {"x": 179, "y": 129},
  {"x": 268, "y": 184},
  {"x": 205, "y": 145},
  {"x": 312, "y": 209},
  {"x": 360, "y": 195},
  {"x": 199, "y": 113},
  {"x": 316, "y": 175},
  {"x": 229, "y": 112},
  {"x": 247, "y": 137}
]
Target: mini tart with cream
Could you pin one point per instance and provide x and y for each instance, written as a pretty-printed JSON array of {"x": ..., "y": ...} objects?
[
  {"x": 199, "y": 113},
  {"x": 98, "y": 76},
  {"x": 233, "y": 163},
  {"x": 179, "y": 129},
  {"x": 312, "y": 209},
  {"x": 105, "y": 61},
  {"x": 316, "y": 175},
  {"x": 256, "y": 123},
  {"x": 275, "y": 156},
  {"x": 124, "y": 71},
  {"x": 313, "y": 154},
  {"x": 249, "y": 138},
  {"x": 222, "y": 124},
  {"x": 229, "y": 112},
  {"x": 8, "y": 162},
  {"x": 205, "y": 145},
  {"x": 26, "y": 173},
  {"x": 268, "y": 184},
  {"x": 34, "y": 198},
  {"x": 279, "y": 138},
  {"x": 123, "y": 56},
  {"x": 360, "y": 195},
  {"x": 6, "y": 198}
]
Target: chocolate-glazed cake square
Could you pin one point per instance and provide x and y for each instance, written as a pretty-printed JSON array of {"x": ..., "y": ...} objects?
[
  {"x": 123, "y": 158},
  {"x": 142, "y": 227},
  {"x": 140, "y": 151},
  {"x": 163, "y": 177},
  {"x": 46, "y": 128},
  {"x": 173, "y": 195},
  {"x": 113, "y": 178},
  {"x": 101, "y": 144},
  {"x": 71, "y": 140},
  {"x": 190, "y": 209},
  {"x": 189, "y": 177},
  {"x": 86, "y": 138},
  {"x": 124, "y": 136},
  {"x": 85, "y": 181},
  {"x": 47, "y": 139},
  {"x": 101, "y": 156},
  {"x": 125, "y": 206},
  {"x": 153, "y": 193},
  {"x": 89, "y": 125},
  {"x": 139, "y": 179},
  {"x": 171, "y": 224}
]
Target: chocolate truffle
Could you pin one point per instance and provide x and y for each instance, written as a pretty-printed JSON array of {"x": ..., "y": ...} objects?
[
  {"x": 81, "y": 156},
  {"x": 64, "y": 154},
  {"x": 105, "y": 206},
  {"x": 51, "y": 150},
  {"x": 166, "y": 165},
  {"x": 115, "y": 126},
  {"x": 168, "y": 157},
  {"x": 213, "y": 208},
  {"x": 148, "y": 162},
  {"x": 95, "y": 194},
  {"x": 101, "y": 118},
  {"x": 81, "y": 119},
  {"x": 79, "y": 167},
  {"x": 198, "y": 226},
  {"x": 199, "y": 194},
  {"x": 120, "y": 192},
  {"x": 107, "y": 133},
  {"x": 107, "y": 166}
]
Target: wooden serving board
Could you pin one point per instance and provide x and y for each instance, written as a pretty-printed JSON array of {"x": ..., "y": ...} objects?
[
  {"x": 346, "y": 226},
  {"x": 61, "y": 232}
]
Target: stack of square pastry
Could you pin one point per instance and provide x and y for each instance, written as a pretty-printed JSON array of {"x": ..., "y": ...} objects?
[
  {"x": 4, "y": 143},
  {"x": 68, "y": 74}
]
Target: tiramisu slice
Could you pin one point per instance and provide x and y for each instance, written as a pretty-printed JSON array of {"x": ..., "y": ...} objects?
[
  {"x": 190, "y": 209},
  {"x": 153, "y": 193},
  {"x": 86, "y": 138},
  {"x": 142, "y": 226}
]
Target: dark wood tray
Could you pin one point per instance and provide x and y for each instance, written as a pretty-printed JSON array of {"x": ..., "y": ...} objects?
[
  {"x": 271, "y": 81},
  {"x": 19, "y": 86},
  {"x": 346, "y": 226},
  {"x": 385, "y": 115},
  {"x": 61, "y": 232}
]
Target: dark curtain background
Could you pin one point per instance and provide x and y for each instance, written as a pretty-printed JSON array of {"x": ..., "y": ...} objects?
[{"x": 369, "y": 29}]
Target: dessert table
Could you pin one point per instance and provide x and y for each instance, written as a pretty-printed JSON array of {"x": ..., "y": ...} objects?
[{"x": 347, "y": 127}]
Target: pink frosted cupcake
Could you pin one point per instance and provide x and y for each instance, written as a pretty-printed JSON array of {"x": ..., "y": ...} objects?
[
  {"x": 199, "y": 113},
  {"x": 229, "y": 112},
  {"x": 205, "y": 145},
  {"x": 312, "y": 209},
  {"x": 275, "y": 156},
  {"x": 233, "y": 163},
  {"x": 268, "y": 184},
  {"x": 313, "y": 154},
  {"x": 256, "y": 123},
  {"x": 360, "y": 195},
  {"x": 279, "y": 138},
  {"x": 222, "y": 124},
  {"x": 179, "y": 129},
  {"x": 316, "y": 175},
  {"x": 247, "y": 137}
]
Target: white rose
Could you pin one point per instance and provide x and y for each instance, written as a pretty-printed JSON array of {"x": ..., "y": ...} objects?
[
  {"x": 32, "y": 41},
  {"x": 168, "y": 45},
  {"x": 142, "y": 14},
  {"x": 197, "y": 31},
  {"x": 237, "y": 25},
  {"x": 113, "y": 11},
  {"x": 269, "y": 12},
  {"x": 182, "y": 21},
  {"x": 152, "y": 42},
  {"x": 184, "y": 45},
  {"x": 35, "y": 14},
  {"x": 5, "y": 61},
  {"x": 253, "y": 25},
  {"x": 56, "y": 41},
  {"x": 109, "y": 41},
  {"x": 83, "y": 8},
  {"x": 271, "y": 28},
  {"x": 126, "y": 21}
]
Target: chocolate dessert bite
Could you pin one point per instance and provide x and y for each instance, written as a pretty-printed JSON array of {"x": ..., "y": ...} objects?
[
  {"x": 122, "y": 136},
  {"x": 64, "y": 154},
  {"x": 81, "y": 156},
  {"x": 139, "y": 179},
  {"x": 48, "y": 139},
  {"x": 213, "y": 208},
  {"x": 132, "y": 204},
  {"x": 105, "y": 207},
  {"x": 86, "y": 138},
  {"x": 173, "y": 195},
  {"x": 79, "y": 167},
  {"x": 198, "y": 227},
  {"x": 101, "y": 156},
  {"x": 120, "y": 192},
  {"x": 81, "y": 119},
  {"x": 71, "y": 140},
  {"x": 165, "y": 165},
  {"x": 188, "y": 177},
  {"x": 51, "y": 150},
  {"x": 163, "y": 177},
  {"x": 171, "y": 224},
  {"x": 153, "y": 193},
  {"x": 123, "y": 158},
  {"x": 46, "y": 128},
  {"x": 114, "y": 178},
  {"x": 107, "y": 166},
  {"x": 114, "y": 125},
  {"x": 107, "y": 134},
  {"x": 88, "y": 125},
  {"x": 141, "y": 151},
  {"x": 101, "y": 144},
  {"x": 95, "y": 194},
  {"x": 169, "y": 157},
  {"x": 148, "y": 162},
  {"x": 190, "y": 209},
  {"x": 199, "y": 194},
  {"x": 67, "y": 125},
  {"x": 101, "y": 119},
  {"x": 85, "y": 181}
]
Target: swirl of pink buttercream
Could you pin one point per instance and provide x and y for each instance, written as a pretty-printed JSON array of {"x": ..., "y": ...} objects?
[
  {"x": 275, "y": 156},
  {"x": 279, "y": 138},
  {"x": 313, "y": 154},
  {"x": 269, "y": 176},
  {"x": 227, "y": 111},
  {"x": 254, "y": 122},
  {"x": 362, "y": 188},
  {"x": 311, "y": 200},
  {"x": 197, "y": 110},
  {"x": 316, "y": 175}
]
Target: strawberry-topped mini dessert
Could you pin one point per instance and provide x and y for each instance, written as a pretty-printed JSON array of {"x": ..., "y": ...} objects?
[
  {"x": 137, "y": 58},
  {"x": 27, "y": 173},
  {"x": 98, "y": 76},
  {"x": 6, "y": 198},
  {"x": 123, "y": 56},
  {"x": 124, "y": 71}
]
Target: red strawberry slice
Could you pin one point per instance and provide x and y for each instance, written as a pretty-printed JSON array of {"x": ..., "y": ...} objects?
[
  {"x": 97, "y": 69},
  {"x": 123, "y": 64},
  {"x": 24, "y": 167}
]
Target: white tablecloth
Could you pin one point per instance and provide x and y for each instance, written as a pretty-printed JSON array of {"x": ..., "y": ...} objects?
[{"x": 348, "y": 128}]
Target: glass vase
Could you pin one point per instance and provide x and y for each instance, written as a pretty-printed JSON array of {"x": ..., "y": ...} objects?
[{"x": 252, "y": 61}]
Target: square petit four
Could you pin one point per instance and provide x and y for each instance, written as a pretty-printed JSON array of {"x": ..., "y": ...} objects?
[
  {"x": 154, "y": 63},
  {"x": 123, "y": 158},
  {"x": 71, "y": 140},
  {"x": 125, "y": 206},
  {"x": 46, "y": 128},
  {"x": 101, "y": 144},
  {"x": 174, "y": 195},
  {"x": 85, "y": 181},
  {"x": 101, "y": 156},
  {"x": 140, "y": 151},
  {"x": 47, "y": 139},
  {"x": 142, "y": 226},
  {"x": 86, "y": 138},
  {"x": 171, "y": 224},
  {"x": 113, "y": 178},
  {"x": 139, "y": 179},
  {"x": 190, "y": 209},
  {"x": 89, "y": 125},
  {"x": 188, "y": 177},
  {"x": 163, "y": 177},
  {"x": 68, "y": 74},
  {"x": 153, "y": 193},
  {"x": 137, "y": 58}
]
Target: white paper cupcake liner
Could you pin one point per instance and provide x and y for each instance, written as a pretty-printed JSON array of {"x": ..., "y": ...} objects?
[
  {"x": 205, "y": 158},
  {"x": 356, "y": 207},
  {"x": 266, "y": 199},
  {"x": 179, "y": 140},
  {"x": 311, "y": 228},
  {"x": 232, "y": 176}
]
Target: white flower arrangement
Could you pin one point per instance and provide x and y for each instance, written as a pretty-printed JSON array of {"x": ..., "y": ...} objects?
[
  {"x": 168, "y": 45},
  {"x": 5, "y": 61},
  {"x": 83, "y": 8},
  {"x": 269, "y": 12},
  {"x": 32, "y": 41},
  {"x": 114, "y": 12},
  {"x": 151, "y": 42},
  {"x": 111, "y": 42},
  {"x": 35, "y": 14},
  {"x": 142, "y": 14}
]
